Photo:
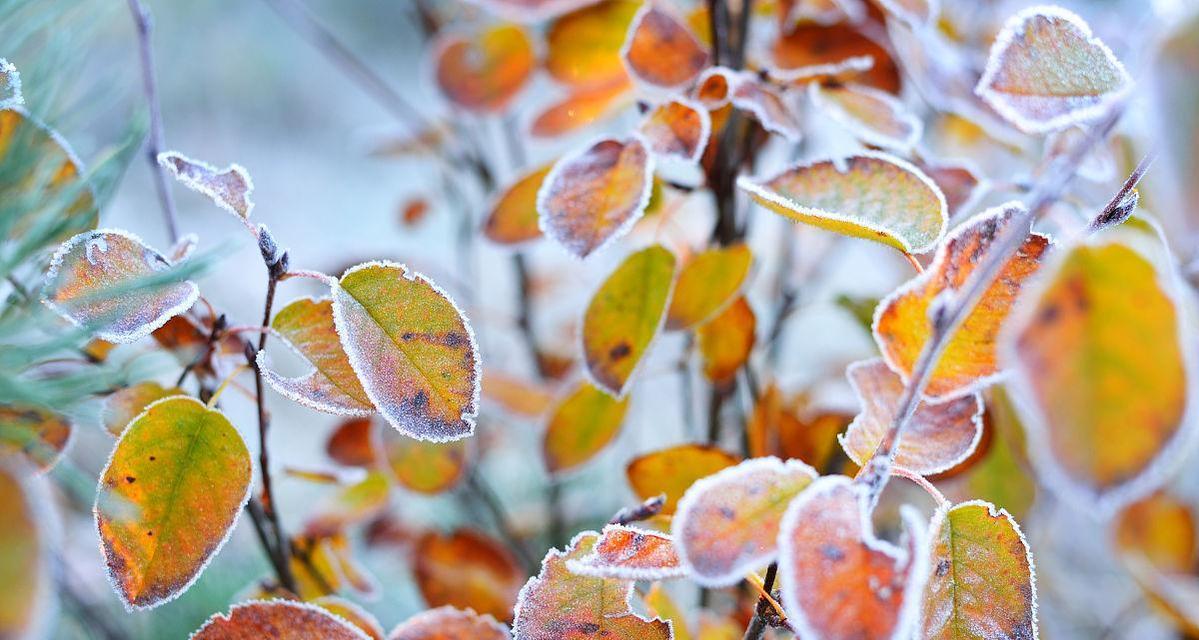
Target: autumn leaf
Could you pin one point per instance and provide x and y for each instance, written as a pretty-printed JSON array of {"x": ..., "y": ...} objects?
[
  {"x": 768, "y": 106},
  {"x": 38, "y": 435},
  {"x": 870, "y": 195},
  {"x": 938, "y": 437},
  {"x": 981, "y": 581},
  {"x": 659, "y": 604},
  {"x": 728, "y": 523},
  {"x": 425, "y": 467},
  {"x": 517, "y": 396},
  {"x": 673, "y": 470},
  {"x": 53, "y": 172},
  {"x": 660, "y": 51},
  {"x": 468, "y": 570},
  {"x": 1102, "y": 411},
  {"x": 306, "y": 325},
  {"x": 353, "y": 614},
  {"x": 725, "y": 341},
  {"x": 584, "y": 46},
  {"x": 581, "y": 426},
  {"x": 839, "y": 580},
  {"x": 448, "y": 623},
  {"x": 123, "y": 405},
  {"x": 813, "y": 51},
  {"x": 513, "y": 217},
  {"x": 105, "y": 281},
  {"x": 558, "y": 604},
  {"x": 625, "y": 315},
  {"x": 485, "y": 71},
  {"x": 412, "y": 349},
  {"x": 1161, "y": 529},
  {"x": 582, "y": 107},
  {"x": 677, "y": 129},
  {"x": 625, "y": 553},
  {"x": 25, "y": 561},
  {"x": 969, "y": 361},
  {"x": 228, "y": 188},
  {"x": 874, "y": 117},
  {"x": 353, "y": 443},
  {"x": 168, "y": 498},
  {"x": 707, "y": 283},
  {"x": 593, "y": 196},
  {"x": 279, "y": 620},
  {"x": 1047, "y": 71}
]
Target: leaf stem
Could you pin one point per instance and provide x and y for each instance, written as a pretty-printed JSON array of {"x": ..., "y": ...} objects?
[{"x": 157, "y": 139}]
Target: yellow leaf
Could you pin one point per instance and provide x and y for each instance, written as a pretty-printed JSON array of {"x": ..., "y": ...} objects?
[
  {"x": 425, "y": 467},
  {"x": 484, "y": 72},
  {"x": 584, "y": 46},
  {"x": 581, "y": 426},
  {"x": 672, "y": 471},
  {"x": 707, "y": 283},
  {"x": 513, "y": 217},
  {"x": 24, "y": 555},
  {"x": 725, "y": 341},
  {"x": 36, "y": 434}
]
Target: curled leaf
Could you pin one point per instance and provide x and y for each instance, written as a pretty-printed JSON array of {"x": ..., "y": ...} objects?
[
  {"x": 768, "y": 106},
  {"x": 279, "y": 620},
  {"x": 123, "y": 405},
  {"x": 38, "y": 435},
  {"x": 871, "y": 195},
  {"x": 228, "y": 188},
  {"x": 168, "y": 498},
  {"x": 513, "y": 217},
  {"x": 728, "y": 523},
  {"x": 448, "y": 623},
  {"x": 1047, "y": 71},
  {"x": 626, "y": 553},
  {"x": 484, "y": 72},
  {"x": 679, "y": 128},
  {"x": 107, "y": 281},
  {"x": 412, "y": 349},
  {"x": 938, "y": 436},
  {"x": 625, "y": 315},
  {"x": 467, "y": 570},
  {"x": 594, "y": 196},
  {"x": 581, "y": 426},
  {"x": 661, "y": 51}
]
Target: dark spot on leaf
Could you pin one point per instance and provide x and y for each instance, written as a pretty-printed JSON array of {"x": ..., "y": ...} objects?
[
  {"x": 407, "y": 336},
  {"x": 621, "y": 350},
  {"x": 942, "y": 568},
  {"x": 152, "y": 458},
  {"x": 454, "y": 339},
  {"x": 1049, "y": 314},
  {"x": 832, "y": 552},
  {"x": 150, "y": 533},
  {"x": 129, "y": 479},
  {"x": 727, "y": 513},
  {"x": 420, "y": 401}
]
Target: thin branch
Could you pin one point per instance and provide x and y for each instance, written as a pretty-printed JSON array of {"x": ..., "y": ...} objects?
[
  {"x": 157, "y": 139},
  {"x": 766, "y": 605},
  {"x": 1118, "y": 209}
]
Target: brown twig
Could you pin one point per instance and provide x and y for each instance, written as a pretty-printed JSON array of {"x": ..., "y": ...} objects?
[
  {"x": 1118, "y": 209},
  {"x": 643, "y": 511},
  {"x": 157, "y": 139},
  {"x": 766, "y": 605}
]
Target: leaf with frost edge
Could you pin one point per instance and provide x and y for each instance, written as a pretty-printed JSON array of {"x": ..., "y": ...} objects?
[
  {"x": 279, "y": 602},
  {"x": 634, "y": 25},
  {"x": 476, "y": 372},
  {"x": 863, "y": 131},
  {"x": 790, "y": 131},
  {"x": 216, "y": 549},
  {"x": 714, "y": 483},
  {"x": 705, "y": 128},
  {"x": 593, "y": 566},
  {"x": 119, "y": 338},
  {"x": 485, "y": 618},
  {"x": 13, "y": 82},
  {"x": 164, "y": 161}
]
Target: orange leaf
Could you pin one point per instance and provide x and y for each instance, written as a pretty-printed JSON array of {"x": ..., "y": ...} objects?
[
  {"x": 593, "y": 196},
  {"x": 672, "y": 471},
  {"x": 513, "y": 217},
  {"x": 625, "y": 315},
  {"x": 278, "y": 620},
  {"x": 467, "y": 570},
  {"x": 626, "y": 553},
  {"x": 584, "y": 46},
  {"x": 123, "y": 405},
  {"x": 425, "y": 467},
  {"x": 661, "y": 51},
  {"x": 518, "y": 397},
  {"x": 959, "y": 181},
  {"x": 726, "y": 341},
  {"x": 728, "y": 523},
  {"x": 581, "y": 426},
  {"x": 25, "y": 554},
  {"x": 813, "y": 51},
  {"x": 448, "y": 623},
  {"x": 679, "y": 128},
  {"x": 353, "y": 614},
  {"x": 1161, "y": 528},
  {"x": 839, "y": 581},
  {"x": 938, "y": 437},
  {"x": 902, "y": 324},
  {"x": 1047, "y": 71},
  {"x": 707, "y": 283},
  {"x": 412, "y": 348},
  {"x": 353, "y": 443},
  {"x": 228, "y": 188},
  {"x": 484, "y": 72},
  {"x": 581, "y": 108},
  {"x": 38, "y": 435},
  {"x": 558, "y": 604}
]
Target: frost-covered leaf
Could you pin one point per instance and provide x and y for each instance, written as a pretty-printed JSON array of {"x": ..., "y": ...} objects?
[
  {"x": 969, "y": 361},
  {"x": 168, "y": 498},
  {"x": 981, "y": 582},
  {"x": 659, "y": 604},
  {"x": 349, "y": 505},
  {"x": 1047, "y": 71},
  {"x": 839, "y": 580},
  {"x": 467, "y": 570},
  {"x": 871, "y": 195},
  {"x": 938, "y": 436},
  {"x": 767, "y": 105},
  {"x": 584, "y": 46},
  {"x": 673, "y": 470},
  {"x": 725, "y": 342},
  {"x": 412, "y": 349},
  {"x": 425, "y": 467},
  {"x": 582, "y": 107},
  {"x": 594, "y": 196},
  {"x": 278, "y": 620},
  {"x": 38, "y": 435},
  {"x": 10, "y": 85},
  {"x": 728, "y": 523},
  {"x": 104, "y": 281},
  {"x": 874, "y": 117},
  {"x": 581, "y": 426},
  {"x": 678, "y": 129},
  {"x": 625, "y": 315},
  {"x": 353, "y": 443},
  {"x": 516, "y": 395},
  {"x": 123, "y": 405},
  {"x": 353, "y": 614},
  {"x": 306, "y": 324},
  {"x": 228, "y": 188},
  {"x": 661, "y": 51},
  {"x": 483, "y": 72},
  {"x": 706, "y": 284},
  {"x": 814, "y": 51},
  {"x": 626, "y": 553},
  {"x": 1103, "y": 410},
  {"x": 513, "y": 217},
  {"x": 25, "y": 560},
  {"x": 1161, "y": 529},
  {"x": 448, "y": 623},
  {"x": 557, "y": 603}
]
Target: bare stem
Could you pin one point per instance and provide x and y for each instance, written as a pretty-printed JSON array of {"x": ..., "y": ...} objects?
[
  {"x": 157, "y": 140},
  {"x": 1117, "y": 208},
  {"x": 757, "y": 624}
]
